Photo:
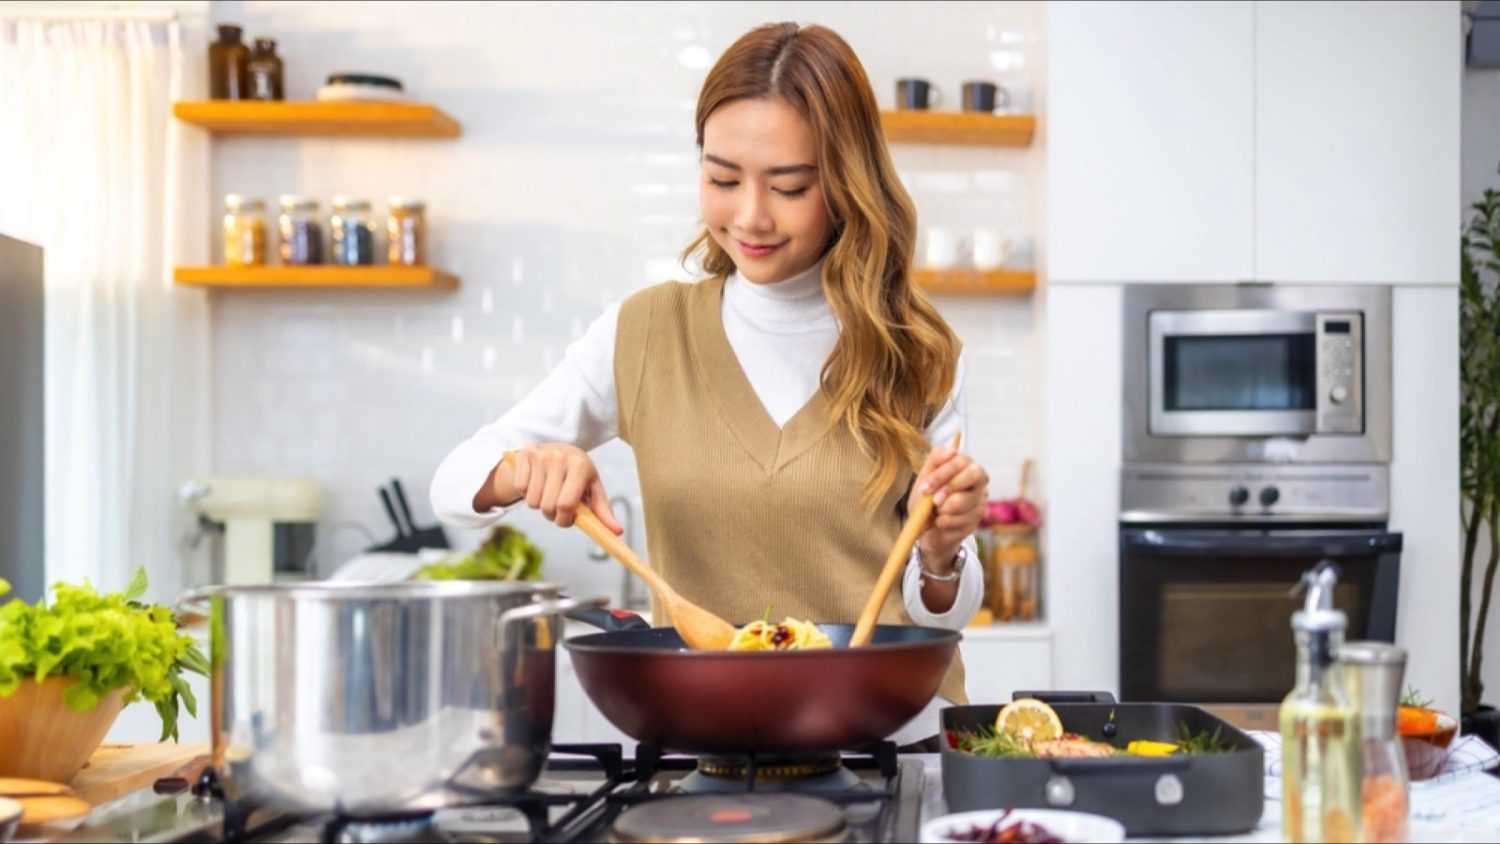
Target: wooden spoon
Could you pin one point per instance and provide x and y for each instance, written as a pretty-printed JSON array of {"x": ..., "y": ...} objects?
[
  {"x": 699, "y": 628},
  {"x": 917, "y": 515}
]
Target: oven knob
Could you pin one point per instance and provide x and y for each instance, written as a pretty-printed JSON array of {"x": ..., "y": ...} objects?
[
  {"x": 1270, "y": 495},
  {"x": 1337, "y": 395},
  {"x": 1238, "y": 496}
]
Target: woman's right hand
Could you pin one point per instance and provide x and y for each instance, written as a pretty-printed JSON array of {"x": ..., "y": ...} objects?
[{"x": 554, "y": 478}]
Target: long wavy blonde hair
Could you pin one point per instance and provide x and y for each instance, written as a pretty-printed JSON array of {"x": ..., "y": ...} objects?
[{"x": 893, "y": 364}]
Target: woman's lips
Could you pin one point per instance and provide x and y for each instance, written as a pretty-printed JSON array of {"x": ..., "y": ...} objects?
[{"x": 754, "y": 250}]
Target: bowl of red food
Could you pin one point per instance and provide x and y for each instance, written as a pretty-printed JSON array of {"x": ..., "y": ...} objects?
[{"x": 1021, "y": 826}]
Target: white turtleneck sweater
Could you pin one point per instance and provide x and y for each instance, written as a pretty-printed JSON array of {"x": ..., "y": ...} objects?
[{"x": 781, "y": 333}]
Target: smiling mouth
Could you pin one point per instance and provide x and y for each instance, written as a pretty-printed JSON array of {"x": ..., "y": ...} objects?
[{"x": 758, "y": 248}]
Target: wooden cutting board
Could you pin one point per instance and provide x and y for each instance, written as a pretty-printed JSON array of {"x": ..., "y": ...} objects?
[{"x": 117, "y": 769}]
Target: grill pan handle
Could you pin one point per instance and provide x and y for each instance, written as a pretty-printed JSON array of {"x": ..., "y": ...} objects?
[
  {"x": 1066, "y": 697},
  {"x": 1106, "y": 767}
]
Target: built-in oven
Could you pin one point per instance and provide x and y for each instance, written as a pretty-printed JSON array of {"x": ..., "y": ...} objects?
[
  {"x": 1205, "y": 610},
  {"x": 1256, "y": 443}
]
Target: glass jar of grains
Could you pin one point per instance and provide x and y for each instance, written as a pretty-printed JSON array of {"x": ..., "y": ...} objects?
[
  {"x": 406, "y": 231},
  {"x": 352, "y": 232},
  {"x": 244, "y": 231},
  {"x": 301, "y": 232}
]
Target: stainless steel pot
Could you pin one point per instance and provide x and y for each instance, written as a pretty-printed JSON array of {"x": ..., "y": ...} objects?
[{"x": 374, "y": 698}]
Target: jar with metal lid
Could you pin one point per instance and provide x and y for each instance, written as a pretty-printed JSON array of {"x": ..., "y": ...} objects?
[
  {"x": 406, "y": 232},
  {"x": 352, "y": 232},
  {"x": 244, "y": 231},
  {"x": 301, "y": 231},
  {"x": 1372, "y": 677}
]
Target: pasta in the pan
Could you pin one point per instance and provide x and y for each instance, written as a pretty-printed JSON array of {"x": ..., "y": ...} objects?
[{"x": 789, "y": 634}]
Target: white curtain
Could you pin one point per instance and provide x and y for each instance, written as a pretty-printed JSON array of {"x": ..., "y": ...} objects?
[{"x": 95, "y": 170}]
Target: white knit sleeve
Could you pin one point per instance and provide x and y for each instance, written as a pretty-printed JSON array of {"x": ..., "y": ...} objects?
[{"x": 574, "y": 403}]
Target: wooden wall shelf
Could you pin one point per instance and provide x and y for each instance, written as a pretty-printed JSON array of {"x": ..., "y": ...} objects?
[
  {"x": 315, "y": 277},
  {"x": 315, "y": 118},
  {"x": 960, "y": 282},
  {"x": 958, "y": 128}
]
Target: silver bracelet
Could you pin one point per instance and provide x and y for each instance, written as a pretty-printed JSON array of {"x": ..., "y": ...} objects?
[{"x": 958, "y": 567}]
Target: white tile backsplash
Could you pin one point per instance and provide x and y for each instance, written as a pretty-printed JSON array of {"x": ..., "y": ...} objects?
[{"x": 573, "y": 185}]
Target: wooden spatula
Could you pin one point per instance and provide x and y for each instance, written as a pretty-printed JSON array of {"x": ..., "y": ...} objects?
[
  {"x": 699, "y": 628},
  {"x": 918, "y": 513}
]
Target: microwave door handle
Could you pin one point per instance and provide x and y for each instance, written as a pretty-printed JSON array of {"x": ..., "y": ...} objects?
[{"x": 1221, "y": 544}]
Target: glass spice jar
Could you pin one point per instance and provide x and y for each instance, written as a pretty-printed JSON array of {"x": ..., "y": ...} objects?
[
  {"x": 244, "y": 231},
  {"x": 406, "y": 232},
  {"x": 264, "y": 72},
  {"x": 228, "y": 60},
  {"x": 352, "y": 232},
  {"x": 301, "y": 232}
]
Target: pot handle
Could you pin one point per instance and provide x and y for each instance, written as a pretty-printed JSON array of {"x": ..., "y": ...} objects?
[
  {"x": 550, "y": 606},
  {"x": 192, "y": 608}
]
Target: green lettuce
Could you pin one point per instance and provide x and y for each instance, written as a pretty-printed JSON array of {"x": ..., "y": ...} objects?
[
  {"x": 104, "y": 643},
  {"x": 506, "y": 555}
]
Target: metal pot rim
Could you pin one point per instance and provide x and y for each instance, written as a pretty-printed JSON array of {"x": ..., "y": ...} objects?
[{"x": 343, "y": 590}]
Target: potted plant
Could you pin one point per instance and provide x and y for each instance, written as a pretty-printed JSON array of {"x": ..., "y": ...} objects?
[
  {"x": 67, "y": 669},
  {"x": 1479, "y": 449}
]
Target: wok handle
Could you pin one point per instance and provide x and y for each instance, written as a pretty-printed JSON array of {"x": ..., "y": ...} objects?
[
  {"x": 916, "y": 522},
  {"x": 610, "y": 621}
]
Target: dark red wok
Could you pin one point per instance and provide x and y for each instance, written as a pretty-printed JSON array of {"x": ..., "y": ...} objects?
[{"x": 650, "y": 686}]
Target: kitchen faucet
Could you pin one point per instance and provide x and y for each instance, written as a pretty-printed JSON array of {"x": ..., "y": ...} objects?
[{"x": 632, "y": 591}]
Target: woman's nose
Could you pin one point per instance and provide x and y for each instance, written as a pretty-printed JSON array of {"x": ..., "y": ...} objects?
[{"x": 753, "y": 214}]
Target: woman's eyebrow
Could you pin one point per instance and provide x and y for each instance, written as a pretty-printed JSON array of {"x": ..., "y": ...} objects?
[{"x": 781, "y": 170}]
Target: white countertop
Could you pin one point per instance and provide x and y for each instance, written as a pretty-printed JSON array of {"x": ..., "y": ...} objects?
[{"x": 1432, "y": 816}]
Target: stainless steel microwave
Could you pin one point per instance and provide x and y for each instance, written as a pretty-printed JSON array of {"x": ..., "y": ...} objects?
[{"x": 1257, "y": 372}]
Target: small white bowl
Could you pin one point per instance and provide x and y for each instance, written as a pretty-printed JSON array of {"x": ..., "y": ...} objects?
[{"x": 1069, "y": 826}]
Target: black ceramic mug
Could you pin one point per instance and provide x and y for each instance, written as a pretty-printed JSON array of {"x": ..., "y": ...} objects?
[
  {"x": 915, "y": 94},
  {"x": 983, "y": 96}
]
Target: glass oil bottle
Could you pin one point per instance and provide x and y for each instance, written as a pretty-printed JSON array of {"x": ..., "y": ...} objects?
[{"x": 1320, "y": 742}]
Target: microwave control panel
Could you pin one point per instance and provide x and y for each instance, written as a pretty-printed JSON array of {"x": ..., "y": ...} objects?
[{"x": 1340, "y": 373}]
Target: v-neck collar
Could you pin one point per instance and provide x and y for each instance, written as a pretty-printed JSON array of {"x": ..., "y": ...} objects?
[{"x": 724, "y": 379}]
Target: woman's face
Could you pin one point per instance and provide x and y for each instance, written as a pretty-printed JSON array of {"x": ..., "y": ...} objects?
[{"x": 760, "y": 196}]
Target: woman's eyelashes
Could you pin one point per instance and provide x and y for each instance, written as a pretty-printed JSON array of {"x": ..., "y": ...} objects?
[{"x": 729, "y": 184}]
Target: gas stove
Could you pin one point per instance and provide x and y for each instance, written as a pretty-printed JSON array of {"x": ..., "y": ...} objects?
[{"x": 585, "y": 793}]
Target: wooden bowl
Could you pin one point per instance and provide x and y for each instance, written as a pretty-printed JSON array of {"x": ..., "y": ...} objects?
[
  {"x": 1428, "y": 749},
  {"x": 46, "y": 740}
]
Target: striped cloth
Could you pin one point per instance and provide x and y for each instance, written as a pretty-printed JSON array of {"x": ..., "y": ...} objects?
[{"x": 1466, "y": 755}]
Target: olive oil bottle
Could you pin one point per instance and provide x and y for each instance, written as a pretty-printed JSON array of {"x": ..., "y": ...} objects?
[{"x": 1320, "y": 746}]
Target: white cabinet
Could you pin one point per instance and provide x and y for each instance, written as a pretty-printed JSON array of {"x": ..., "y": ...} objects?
[
  {"x": 1356, "y": 141},
  {"x": 1004, "y": 659},
  {"x": 1149, "y": 141},
  {"x": 1305, "y": 141}
]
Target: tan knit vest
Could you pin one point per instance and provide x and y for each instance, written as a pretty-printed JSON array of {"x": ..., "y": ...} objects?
[{"x": 741, "y": 516}]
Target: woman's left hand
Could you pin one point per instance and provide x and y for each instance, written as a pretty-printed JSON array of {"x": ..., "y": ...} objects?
[{"x": 961, "y": 488}]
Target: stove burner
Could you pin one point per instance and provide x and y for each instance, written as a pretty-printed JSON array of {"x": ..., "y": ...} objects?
[
  {"x": 772, "y": 768},
  {"x": 732, "y": 818},
  {"x": 380, "y": 830}
]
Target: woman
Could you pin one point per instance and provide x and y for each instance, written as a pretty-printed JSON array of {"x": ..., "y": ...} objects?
[{"x": 776, "y": 409}]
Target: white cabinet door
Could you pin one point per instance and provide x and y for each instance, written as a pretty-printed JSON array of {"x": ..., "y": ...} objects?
[
  {"x": 1356, "y": 141},
  {"x": 996, "y": 664},
  {"x": 1147, "y": 125}
]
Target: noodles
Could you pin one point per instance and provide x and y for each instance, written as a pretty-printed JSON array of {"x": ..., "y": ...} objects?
[{"x": 789, "y": 635}]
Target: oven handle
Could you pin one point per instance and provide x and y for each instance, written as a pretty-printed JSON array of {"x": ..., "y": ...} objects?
[{"x": 1354, "y": 543}]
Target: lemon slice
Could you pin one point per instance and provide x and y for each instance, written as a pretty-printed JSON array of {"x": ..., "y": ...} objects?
[{"x": 1029, "y": 720}]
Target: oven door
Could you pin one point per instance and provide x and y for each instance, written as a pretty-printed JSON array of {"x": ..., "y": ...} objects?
[
  {"x": 1205, "y": 613},
  {"x": 1254, "y": 373}
]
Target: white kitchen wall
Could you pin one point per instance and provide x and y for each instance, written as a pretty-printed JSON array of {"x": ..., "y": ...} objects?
[
  {"x": 1481, "y": 169},
  {"x": 572, "y": 186}
]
